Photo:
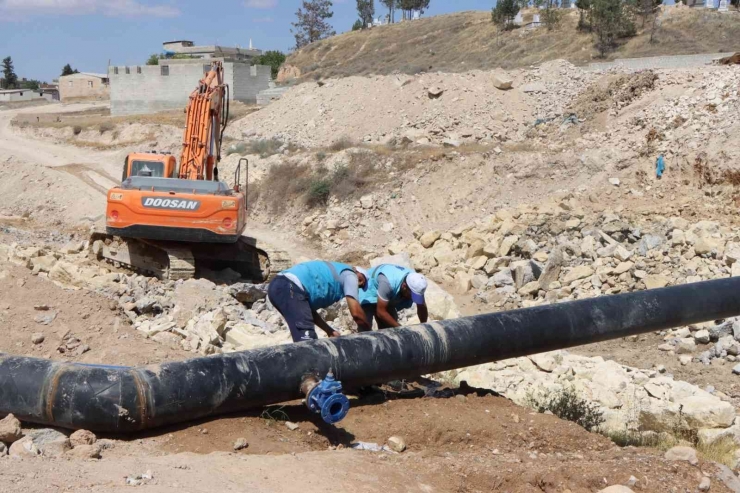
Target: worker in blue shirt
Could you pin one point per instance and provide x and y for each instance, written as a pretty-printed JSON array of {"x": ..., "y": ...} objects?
[
  {"x": 391, "y": 288},
  {"x": 297, "y": 293}
]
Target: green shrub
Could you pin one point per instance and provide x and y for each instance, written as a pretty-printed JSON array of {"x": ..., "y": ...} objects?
[
  {"x": 567, "y": 404},
  {"x": 318, "y": 192}
]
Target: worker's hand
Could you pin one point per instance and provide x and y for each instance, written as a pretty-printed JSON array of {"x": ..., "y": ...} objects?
[{"x": 333, "y": 333}]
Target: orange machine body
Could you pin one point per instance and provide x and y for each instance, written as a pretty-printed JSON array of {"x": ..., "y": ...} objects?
[{"x": 157, "y": 200}]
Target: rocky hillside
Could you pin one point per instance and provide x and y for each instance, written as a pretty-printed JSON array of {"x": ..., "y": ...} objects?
[{"x": 469, "y": 41}]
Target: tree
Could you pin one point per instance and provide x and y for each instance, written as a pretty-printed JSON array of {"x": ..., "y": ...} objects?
[
  {"x": 610, "y": 21},
  {"x": 366, "y": 11},
  {"x": 358, "y": 25},
  {"x": 647, "y": 8},
  {"x": 11, "y": 80},
  {"x": 311, "y": 24},
  {"x": 274, "y": 59},
  {"x": 584, "y": 6},
  {"x": 503, "y": 14},
  {"x": 409, "y": 6},
  {"x": 153, "y": 59},
  {"x": 391, "y": 6},
  {"x": 551, "y": 15},
  {"x": 67, "y": 70},
  {"x": 29, "y": 84}
]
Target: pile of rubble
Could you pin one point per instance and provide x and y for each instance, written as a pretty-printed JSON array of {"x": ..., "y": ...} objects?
[
  {"x": 197, "y": 314},
  {"x": 556, "y": 251},
  {"x": 426, "y": 109},
  {"x": 630, "y": 399}
]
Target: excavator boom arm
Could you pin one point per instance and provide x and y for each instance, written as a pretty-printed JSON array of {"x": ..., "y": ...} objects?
[{"x": 207, "y": 115}]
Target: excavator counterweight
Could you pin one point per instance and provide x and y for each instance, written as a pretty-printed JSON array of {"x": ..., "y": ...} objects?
[{"x": 171, "y": 219}]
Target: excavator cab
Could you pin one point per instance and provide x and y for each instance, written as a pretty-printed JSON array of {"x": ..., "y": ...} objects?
[{"x": 149, "y": 164}]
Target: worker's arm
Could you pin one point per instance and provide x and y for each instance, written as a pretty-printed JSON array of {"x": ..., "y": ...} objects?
[
  {"x": 382, "y": 313},
  {"x": 358, "y": 314},
  {"x": 323, "y": 325},
  {"x": 423, "y": 313}
]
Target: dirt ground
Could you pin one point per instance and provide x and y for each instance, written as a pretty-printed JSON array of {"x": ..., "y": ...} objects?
[
  {"x": 466, "y": 443},
  {"x": 462, "y": 443}
]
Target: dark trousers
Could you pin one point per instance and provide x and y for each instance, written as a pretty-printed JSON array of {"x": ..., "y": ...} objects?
[
  {"x": 292, "y": 303},
  {"x": 370, "y": 313}
]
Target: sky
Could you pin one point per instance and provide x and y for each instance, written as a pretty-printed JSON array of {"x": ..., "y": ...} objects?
[{"x": 43, "y": 35}]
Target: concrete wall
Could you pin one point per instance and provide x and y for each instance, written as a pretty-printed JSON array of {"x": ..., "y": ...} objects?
[
  {"x": 23, "y": 95},
  {"x": 82, "y": 86},
  {"x": 248, "y": 81},
  {"x": 659, "y": 62},
  {"x": 150, "y": 91}
]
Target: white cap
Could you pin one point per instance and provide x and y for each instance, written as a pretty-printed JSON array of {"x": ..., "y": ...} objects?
[
  {"x": 363, "y": 272},
  {"x": 418, "y": 286}
]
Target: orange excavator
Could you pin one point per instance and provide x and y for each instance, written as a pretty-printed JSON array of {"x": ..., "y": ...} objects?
[{"x": 176, "y": 222}]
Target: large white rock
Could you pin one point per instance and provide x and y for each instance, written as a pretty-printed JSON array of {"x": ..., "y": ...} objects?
[
  {"x": 576, "y": 273},
  {"x": 707, "y": 411}
]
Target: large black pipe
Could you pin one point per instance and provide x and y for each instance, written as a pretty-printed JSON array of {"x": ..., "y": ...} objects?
[{"x": 121, "y": 399}]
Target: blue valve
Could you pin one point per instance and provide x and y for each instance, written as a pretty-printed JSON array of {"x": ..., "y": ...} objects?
[{"x": 326, "y": 398}]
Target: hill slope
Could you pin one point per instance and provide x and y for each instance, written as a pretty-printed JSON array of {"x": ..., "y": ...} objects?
[{"x": 468, "y": 40}]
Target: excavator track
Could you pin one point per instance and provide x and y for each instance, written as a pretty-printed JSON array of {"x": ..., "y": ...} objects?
[{"x": 254, "y": 261}]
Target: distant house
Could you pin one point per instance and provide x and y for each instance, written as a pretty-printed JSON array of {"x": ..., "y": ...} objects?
[
  {"x": 84, "y": 86},
  {"x": 15, "y": 95}
]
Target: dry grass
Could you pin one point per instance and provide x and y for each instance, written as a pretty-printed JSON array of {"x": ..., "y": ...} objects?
[
  {"x": 100, "y": 118},
  {"x": 468, "y": 40},
  {"x": 305, "y": 185}
]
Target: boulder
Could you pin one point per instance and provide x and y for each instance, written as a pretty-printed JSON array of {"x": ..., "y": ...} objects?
[
  {"x": 503, "y": 278},
  {"x": 10, "y": 429},
  {"x": 655, "y": 282},
  {"x": 502, "y": 81},
  {"x": 707, "y": 411},
  {"x": 367, "y": 201},
  {"x": 529, "y": 289},
  {"x": 702, "y": 336},
  {"x": 428, "y": 239},
  {"x": 617, "y": 488},
  {"x": 82, "y": 437},
  {"x": 65, "y": 273},
  {"x": 248, "y": 293},
  {"x": 523, "y": 274},
  {"x": 85, "y": 451},
  {"x": 441, "y": 305},
  {"x": 24, "y": 448},
  {"x": 551, "y": 272},
  {"x": 50, "y": 442},
  {"x": 681, "y": 453},
  {"x": 506, "y": 245},
  {"x": 577, "y": 273},
  {"x": 43, "y": 264},
  {"x": 475, "y": 249}
]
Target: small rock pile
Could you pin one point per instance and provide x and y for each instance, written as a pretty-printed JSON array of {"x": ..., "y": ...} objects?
[{"x": 47, "y": 442}]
